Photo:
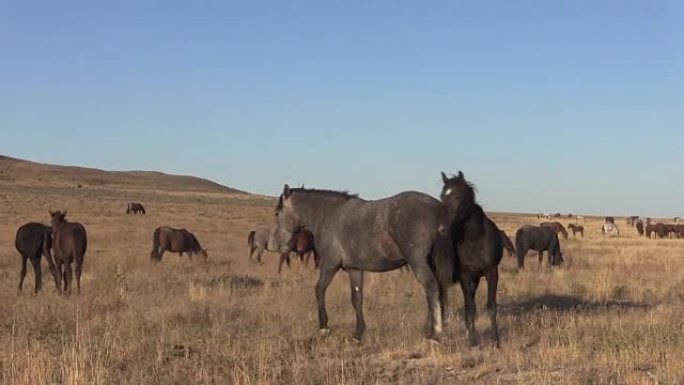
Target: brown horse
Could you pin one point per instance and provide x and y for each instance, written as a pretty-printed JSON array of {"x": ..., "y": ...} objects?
[
  {"x": 303, "y": 246},
  {"x": 576, "y": 229},
  {"x": 135, "y": 208},
  {"x": 508, "y": 245},
  {"x": 179, "y": 241},
  {"x": 639, "y": 227},
  {"x": 69, "y": 244},
  {"x": 33, "y": 240},
  {"x": 557, "y": 227}
]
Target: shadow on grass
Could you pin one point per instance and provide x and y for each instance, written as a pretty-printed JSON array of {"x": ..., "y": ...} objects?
[{"x": 569, "y": 303}]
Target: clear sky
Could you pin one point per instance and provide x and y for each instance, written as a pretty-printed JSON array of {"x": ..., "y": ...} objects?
[{"x": 570, "y": 106}]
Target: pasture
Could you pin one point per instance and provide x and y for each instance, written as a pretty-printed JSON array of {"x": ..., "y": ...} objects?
[{"x": 613, "y": 313}]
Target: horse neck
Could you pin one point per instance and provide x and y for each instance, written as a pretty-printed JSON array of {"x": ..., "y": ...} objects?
[
  {"x": 468, "y": 219},
  {"x": 316, "y": 210}
]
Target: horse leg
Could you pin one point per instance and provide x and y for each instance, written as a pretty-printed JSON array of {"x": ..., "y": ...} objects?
[
  {"x": 79, "y": 264},
  {"x": 541, "y": 258},
  {"x": 443, "y": 302},
  {"x": 521, "y": 253},
  {"x": 280, "y": 263},
  {"x": 59, "y": 275},
  {"x": 427, "y": 279},
  {"x": 260, "y": 251},
  {"x": 22, "y": 273},
  {"x": 492, "y": 278},
  {"x": 68, "y": 273},
  {"x": 37, "y": 273},
  {"x": 324, "y": 279},
  {"x": 306, "y": 258},
  {"x": 469, "y": 286},
  {"x": 356, "y": 286}
]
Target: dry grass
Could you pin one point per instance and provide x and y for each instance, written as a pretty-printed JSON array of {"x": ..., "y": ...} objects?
[{"x": 613, "y": 314}]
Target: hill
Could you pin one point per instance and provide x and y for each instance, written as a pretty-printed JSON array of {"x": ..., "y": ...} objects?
[{"x": 24, "y": 172}]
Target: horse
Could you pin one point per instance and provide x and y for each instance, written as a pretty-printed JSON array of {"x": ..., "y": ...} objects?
[
  {"x": 303, "y": 246},
  {"x": 69, "y": 244},
  {"x": 543, "y": 216},
  {"x": 538, "y": 239},
  {"x": 639, "y": 227},
  {"x": 507, "y": 244},
  {"x": 610, "y": 229},
  {"x": 576, "y": 229},
  {"x": 557, "y": 227},
  {"x": 478, "y": 248},
  {"x": 579, "y": 217},
  {"x": 357, "y": 235},
  {"x": 135, "y": 208},
  {"x": 677, "y": 219},
  {"x": 631, "y": 221},
  {"x": 179, "y": 241},
  {"x": 558, "y": 215},
  {"x": 257, "y": 240},
  {"x": 33, "y": 240},
  {"x": 610, "y": 220}
]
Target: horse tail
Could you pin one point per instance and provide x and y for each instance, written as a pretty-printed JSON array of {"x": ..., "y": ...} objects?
[
  {"x": 155, "y": 244},
  {"x": 250, "y": 244},
  {"x": 520, "y": 246}
]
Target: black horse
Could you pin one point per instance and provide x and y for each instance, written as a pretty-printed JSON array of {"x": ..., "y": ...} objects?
[
  {"x": 539, "y": 239},
  {"x": 478, "y": 248},
  {"x": 358, "y": 235},
  {"x": 33, "y": 240},
  {"x": 135, "y": 208}
]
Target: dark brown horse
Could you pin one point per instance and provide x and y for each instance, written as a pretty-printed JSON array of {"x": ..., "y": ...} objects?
[
  {"x": 632, "y": 220},
  {"x": 658, "y": 229},
  {"x": 135, "y": 208},
  {"x": 179, "y": 241},
  {"x": 478, "y": 249},
  {"x": 639, "y": 227},
  {"x": 557, "y": 227},
  {"x": 33, "y": 240},
  {"x": 303, "y": 246},
  {"x": 69, "y": 244},
  {"x": 576, "y": 229},
  {"x": 507, "y": 244}
]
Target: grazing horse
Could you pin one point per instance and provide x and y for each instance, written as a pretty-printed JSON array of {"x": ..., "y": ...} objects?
[
  {"x": 610, "y": 229},
  {"x": 303, "y": 246},
  {"x": 33, "y": 240},
  {"x": 557, "y": 227},
  {"x": 69, "y": 244},
  {"x": 179, "y": 241},
  {"x": 507, "y": 244},
  {"x": 135, "y": 208},
  {"x": 538, "y": 239},
  {"x": 478, "y": 248},
  {"x": 543, "y": 216},
  {"x": 576, "y": 229},
  {"x": 357, "y": 235}
]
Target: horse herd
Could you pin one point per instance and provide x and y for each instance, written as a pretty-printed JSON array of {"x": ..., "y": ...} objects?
[{"x": 442, "y": 241}]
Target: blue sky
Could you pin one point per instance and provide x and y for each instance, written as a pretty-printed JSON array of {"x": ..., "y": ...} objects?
[{"x": 570, "y": 106}]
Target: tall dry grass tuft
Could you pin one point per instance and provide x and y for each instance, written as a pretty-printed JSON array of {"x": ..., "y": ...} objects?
[{"x": 614, "y": 313}]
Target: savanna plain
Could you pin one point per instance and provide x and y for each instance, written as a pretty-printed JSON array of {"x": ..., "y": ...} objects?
[{"x": 613, "y": 313}]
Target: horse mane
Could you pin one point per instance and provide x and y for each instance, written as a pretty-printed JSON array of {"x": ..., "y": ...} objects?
[{"x": 329, "y": 193}]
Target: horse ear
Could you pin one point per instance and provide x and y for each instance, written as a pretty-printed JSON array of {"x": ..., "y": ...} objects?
[
  {"x": 460, "y": 174},
  {"x": 286, "y": 191},
  {"x": 444, "y": 177},
  {"x": 64, "y": 213},
  {"x": 51, "y": 213}
]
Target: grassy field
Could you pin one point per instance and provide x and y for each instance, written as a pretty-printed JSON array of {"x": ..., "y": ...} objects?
[{"x": 613, "y": 314}]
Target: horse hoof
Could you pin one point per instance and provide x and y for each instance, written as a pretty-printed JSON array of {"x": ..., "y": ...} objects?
[
  {"x": 324, "y": 331},
  {"x": 357, "y": 340}
]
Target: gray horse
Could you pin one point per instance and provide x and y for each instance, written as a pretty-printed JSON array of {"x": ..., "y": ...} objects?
[
  {"x": 257, "y": 242},
  {"x": 358, "y": 235}
]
